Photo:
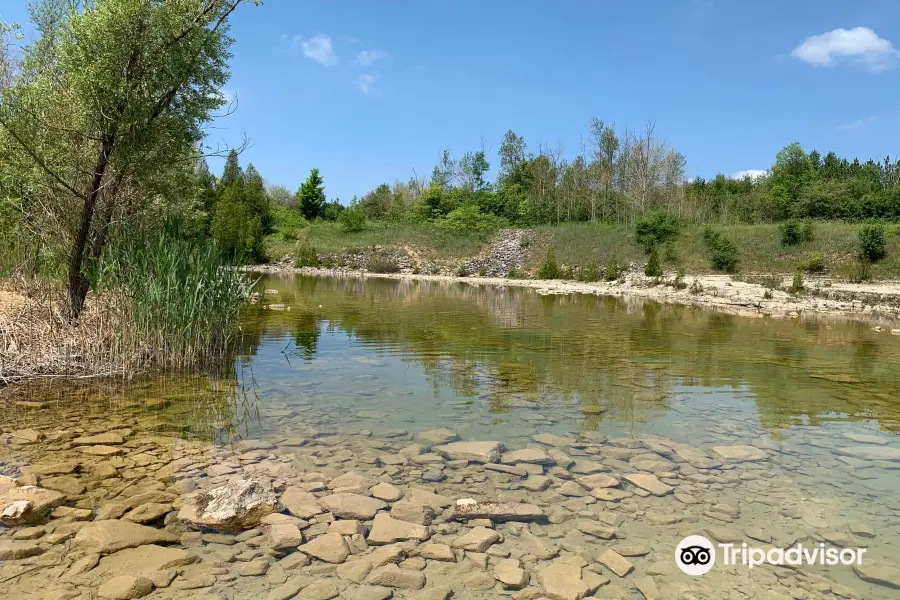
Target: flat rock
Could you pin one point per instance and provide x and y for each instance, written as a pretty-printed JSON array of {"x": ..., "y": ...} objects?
[
  {"x": 883, "y": 575},
  {"x": 284, "y": 536},
  {"x": 147, "y": 513},
  {"x": 479, "y": 452},
  {"x": 329, "y": 547},
  {"x": 740, "y": 453},
  {"x": 125, "y": 587},
  {"x": 615, "y": 562},
  {"x": 468, "y": 509},
  {"x": 441, "y": 552},
  {"x": 19, "y": 549},
  {"x": 392, "y": 576},
  {"x": 508, "y": 469},
  {"x": 477, "y": 540},
  {"x": 324, "y": 588},
  {"x": 386, "y": 530},
  {"x": 386, "y": 491},
  {"x": 587, "y": 467},
  {"x": 355, "y": 571},
  {"x": 103, "y": 439},
  {"x": 562, "y": 581},
  {"x": 871, "y": 452},
  {"x": 649, "y": 483},
  {"x": 510, "y": 574},
  {"x": 535, "y": 456},
  {"x": 235, "y": 506},
  {"x": 301, "y": 503},
  {"x": 352, "y": 506},
  {"x": 101, "y": 450},
  {"x": 142, "y": 560},
  {"x": 549, "y": 439},
  {"x": 411, "y": 512},
  {"x": 106, "y": 537},
  {"x": 437, "y": 592},
  {"x": 597, "y": 481},
  {"x": 595, "y": 529},
  {"x": 427, "y": 497},
  {"x": 436, "y": 437},
  {"x": 368, "y": 592},
  {"x": 27, "y": 436},
  {"x": 27, "y": 504}
]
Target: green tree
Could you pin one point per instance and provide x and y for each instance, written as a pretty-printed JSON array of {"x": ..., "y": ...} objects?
[
  {"x": 311, "y": 195},
  {"x": 256, "y": 198},
  {"x": 232, "y": 171},
  {"x": 111, "y": 96}
]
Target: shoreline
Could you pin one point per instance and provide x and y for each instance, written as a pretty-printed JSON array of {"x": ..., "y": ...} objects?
[{"x": 875, "y": 303}]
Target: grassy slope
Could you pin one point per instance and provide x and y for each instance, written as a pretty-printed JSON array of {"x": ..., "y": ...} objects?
[{"x": 759, "y": 246}]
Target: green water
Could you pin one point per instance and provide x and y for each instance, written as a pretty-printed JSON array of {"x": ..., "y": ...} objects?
[{"x": 371, "y": 362}]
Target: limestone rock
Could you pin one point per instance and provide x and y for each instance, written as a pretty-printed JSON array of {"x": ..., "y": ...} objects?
[
  {"x": 426, "y": 497},
  {"x": 479, "y": 452},
  {"x": 27, "y": 504},
  {"x": 105, "y": 537},
  {"x": 477, "y": 540},
  {"x": 352, "y": 506},
  {"x": 103, "y": 439},
  {"x": 870, "y": 452},
  {"x": 301, "y": 503},
  {"x": 467, "y": 509},
  {"x": 142, "y": 560},
  {"x": 441, "y": 552},
  {"x": 386, "y": 491},
  {"x": 883, "y": 575},
  {"x": 147, "y": 513},
  {"x": 393, "y": 576},
  {"x": 740, "y": 453},
  {"x": 284, "y": 536},
  {"x": 125, "y": 587},
  {"x": 597, "y": 481},
  {"x": 562, "y": 581},
  {"x": 355, "y": 571},
  {"x": 16, "y": 550},
  {"x": 329, "y": 547},
  {"x": 510, "y": 573},
  {"x": 436, "y": 437},
  {"x": 386, "y": 530},
  {"x": 595, "y": 529},
  {"x": 535, "y": 456},
  {"x": 649, "y": 483},
  {"x": 615, "y": 562},
  {"x": 234, "y": 506}
]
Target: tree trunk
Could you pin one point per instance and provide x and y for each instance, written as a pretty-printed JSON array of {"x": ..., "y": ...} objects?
[{"x": 78, "y": 278}]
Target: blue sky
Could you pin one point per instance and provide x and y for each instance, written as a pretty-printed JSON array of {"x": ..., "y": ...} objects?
[{"x": 370, "y": 91}]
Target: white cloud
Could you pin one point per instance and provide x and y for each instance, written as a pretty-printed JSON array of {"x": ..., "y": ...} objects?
[
  {"x": 365, "y": 83},
  {"x": 368, "y": 57},
  {"x": 319, "y": 49},
  {"x": 751, "y": 173},
  {"x": 857, "y": 124},
  {"x": 860, "y": 45}
]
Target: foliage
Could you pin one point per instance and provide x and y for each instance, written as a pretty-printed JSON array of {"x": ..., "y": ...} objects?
[
  {"x": 352, "y": 220},
  {"x": 589, "y": 273},
  {"x": 306, "y": 256},
  {"x": 382, "y": 263},
  {"x": 861, "y": 272},
  {"x": 793, "y": 232},
  {"x": 461, "y": 270},
  {"x": 549, "y": 269},
  {"x": 797, "y": 284},
  {"x": 815, "y": 264},
  {"x": 612, "y": 270},
  {"x": 468, "y": 218},
  {"x": 653, "y": 268},
  {"x": 655, "y": 228},
  {"x": 724, "y": 252},
  {"x": 871, "y": 243},
  {"x": 236, "y": 229},
  {"x": 310, "y": 198}
]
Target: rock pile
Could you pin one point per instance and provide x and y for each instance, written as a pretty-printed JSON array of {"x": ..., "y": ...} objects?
[{"x": 507, "y": 253}]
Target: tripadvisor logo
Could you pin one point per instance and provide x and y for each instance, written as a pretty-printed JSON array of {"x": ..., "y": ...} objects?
[{"x": 696, "y": 555}]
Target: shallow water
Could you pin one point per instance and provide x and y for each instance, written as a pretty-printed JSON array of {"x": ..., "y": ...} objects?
[{"x": 342, "y": 371}]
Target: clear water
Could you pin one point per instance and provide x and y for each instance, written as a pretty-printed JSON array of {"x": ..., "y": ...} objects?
[{"x": 373, "y": 361}]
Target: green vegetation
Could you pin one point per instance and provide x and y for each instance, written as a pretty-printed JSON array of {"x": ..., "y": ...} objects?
[
  {"x": 798, "y": 286},
  {"x": 723, "y": 251},
  {"x": 793, "y": 232},
  {"x": 306, "y": 256},
  {"x": 653, "y": 268},
  {"x": 872, "y": 246},
  {"x": 549, "y": 268},
  {"x": 382, "y": 263},
  {"x": 655, "y": 229}
]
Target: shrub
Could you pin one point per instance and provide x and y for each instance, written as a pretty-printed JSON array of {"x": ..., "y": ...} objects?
[
  {"x": 724, "y": 251},
  {"x": 352, "y": 220},
  {"x": 861, "y": 271},
  {"x": 382, "y": 263},
  {"x": 679, "y": 283},
  {"x": 656, "y": 228},
  {"x": 797, "y": 285},
  {"x": 461, "y": 271},
  {"x": 696, "y": 288},
  {"x": 467, "y": 219},
  {"x": 815, "y": 264},
  {"x": 767, "y": 295},
  {"x": 589, "y": 273},
  {"x": 771, "y": 282},
  {"x": 482, "y": 271},
  {"x": 669, "y": 254},
  {"x": 306, "y": 256},
  {"x": 237, "y": 231},
  {"x": 566, "y": 273},
  {"x": 612, "y": 270},
  {"x": 791, "y": 232},
  {"x": 515, "y": 273},
  {"x": 549, "y": 268},
  {"x": 808, "y": 231},
  {"x": 653, "y": 268},
  {"x": 871, "y": 243}
]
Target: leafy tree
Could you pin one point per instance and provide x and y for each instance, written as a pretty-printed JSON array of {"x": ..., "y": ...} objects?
[
  {"x": 232, "y": 171},
  {"x": 472, "y": 169},
  {"x": 256, "y": 198},
  {"x": 376, "y": 204},
  {"x": 353, "y": 218},
  {"x": 311, "y": 196},
  {"x": 110, "y": 96},
  {"x": 655, "y": 228},
  {"x": 238, "y": 231},
  {"x": 871, "y": 243},
  {"x": 332, "y": 210}
]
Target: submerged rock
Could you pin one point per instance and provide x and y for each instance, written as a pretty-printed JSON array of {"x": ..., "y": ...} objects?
[
  {"x": 480, "y": 452},
  {"x": 235, "y": 506},
  {"x": 105, "y": 537},
  {"x": 469, "y": 509}
]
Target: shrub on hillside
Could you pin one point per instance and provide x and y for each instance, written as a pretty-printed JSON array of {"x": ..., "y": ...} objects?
[
  {"x": 352, "y": 220},
  {"x": 382, "y": 263},
  {"x": 724, "y": 252},
  {"x": 653, "y": 268},
  {"x": 238, "y": 232},
  {"x": 589, "y": 273},
  {"x": 467, "y": 219},
  {"x": 871, "y": 243},
  {"x": 815, "y": 264},
  {"x": 549, "y": 268},
  {"x": 793, "y": 232},
  {"x": 656, "y": 228},
  {"x": 306, "y": 256},
  {"x": 612, "y": 270}
]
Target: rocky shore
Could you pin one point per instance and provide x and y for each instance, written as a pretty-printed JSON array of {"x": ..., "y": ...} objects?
[{"x": 113, "y": 507}]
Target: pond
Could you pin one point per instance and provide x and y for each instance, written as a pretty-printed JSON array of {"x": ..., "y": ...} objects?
[{"x": 629, "y": 425}]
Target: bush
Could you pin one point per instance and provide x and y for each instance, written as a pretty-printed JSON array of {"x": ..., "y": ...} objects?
[
  {"x": 771, "y": 282},
  {"x": 791, "y": 232},
  {"x": 653, "y": 268},
  {"x": 656, "y": 228},
  {"x": 549, "y": 268},
  {"x": 797, "y": 285},
  {"x": 612, "y": 271},
  {"x": 589, "y": 273},
  {"x": 461, "y": 271},
  {"x": 815, "y": 264},
  {"x": 467, "y": 219},
  {"x": 306, "y": 256},
  {"x": 382, "y": 263},
  {"x": 670, "y": 256},
  {"x": 515, "y": 273},
  {"x": 861, "y": 271},
  {"x": 724, "y": 251},
  {"x": 871, "y": 243},
  {"x": 352, "y": 220},
  {"x": 237, "y": 231},
  {"x": 808, "y": 231}
]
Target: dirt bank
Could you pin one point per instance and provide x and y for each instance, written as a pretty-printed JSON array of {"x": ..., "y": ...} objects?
[{"x": 874, "y": 303}]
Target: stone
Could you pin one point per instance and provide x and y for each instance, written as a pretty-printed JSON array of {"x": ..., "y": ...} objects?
[
  {"x": 355, "y": 571},
  {"x": 572, "y": 490},
  {"x": 27, "y": 504},
  {"x": 610, "y": 494},
  {"x": 510, "y": 574},
  {"x": 329, "y": 547},
  {"x": 615, "y": 562},
  {"x": 284, "y": 536},
  {"x": 426, "y": 497},
  {"x": 392, "y": 576},
  {"x": 301, "y": 503},
  {"x": 103, "y": 439},
  {"x": 105, "y": 537},
  {"x": 536, "y": 483},
  {"x": 535, "y": 456},
  {"x": 368, "y": 592},
  {"x": 17, "y": 550},
  {"x": 143, "y": 560},
  {"x": 883, "y": 575},
  {"x": 352, "y": 506},
  {"x": 468, "y": 509},
  {"x": 562, "y": 581},
  {"x": 386, "y": 491},
  {"x": 387, "y": 530},
  {"x": 347, "y": 527},
  {"x": 125, "y": 587},
  {"x": 870, "y": 452},
  {"x": 289, "y": 589},
  {"x": 324, "y": 588},
  {"x": 587, "y": 467},
  {"x": 29, "y": 533},
  {"x": 27, "y": 436},
  {"x": 649, "y": 483},
  {"x": 477, "y": 540},
  {"x": 479, "y": 581},
  {"x": 740, "y": 453},
  {"x": 412, "y": 513},
  {"x": 385, "y": 554},
  {"x": 597, "y": 481},
  {"x": 647, "y": 586},
  {"x": 101, "y": 450},
  {"x": 478, "y": 452},
  {"x": 235, "y": 506},
  {"x": 351, "y": 480},
  {"x": 253, "y": 568},
  {"x": 436, "y": 437},
  {"x": 441, "y": 552},
  {"x": 147, "y": 513},
  {"x": 549, "y": 439},
  {"x": 509, "y": 470},
  {"x": 595, "y": 529},
  {"x": 437, "y": 592},
  {"x": 433, "y": 476}
]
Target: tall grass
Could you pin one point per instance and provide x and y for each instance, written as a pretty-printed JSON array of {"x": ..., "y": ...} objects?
[{"x": 178, "y": 299}]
